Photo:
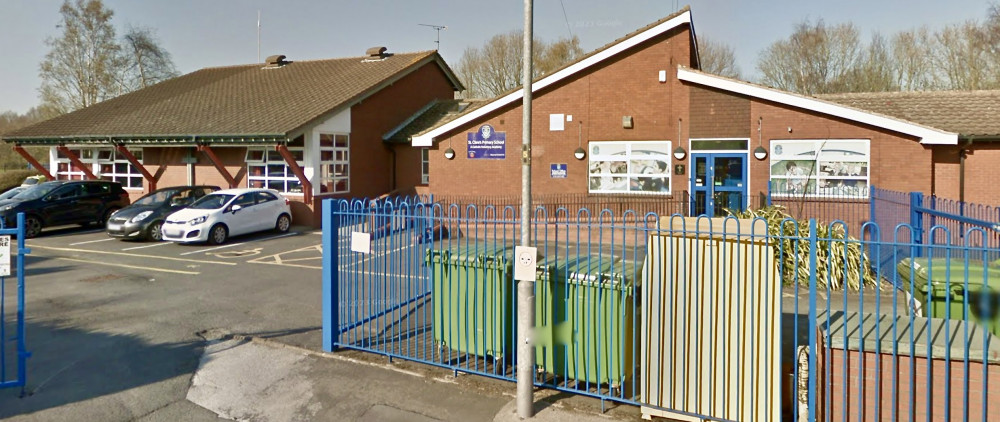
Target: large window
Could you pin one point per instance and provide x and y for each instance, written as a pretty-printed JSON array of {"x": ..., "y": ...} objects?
[
  {"x": 105, "y": 163},
  {"x": 335, "y": 160},
  {"x": 114, "y": 166},
  {"x": 266, "y": 168},
  {"x": 65, "y": 169},
  {"x": 640, "y": 167},
  {"x": 425, "y": 166},
  {"x": 820, "y": 168}
]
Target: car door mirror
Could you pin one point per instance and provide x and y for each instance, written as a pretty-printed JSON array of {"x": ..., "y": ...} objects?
[{"x": 236, "y": 208}]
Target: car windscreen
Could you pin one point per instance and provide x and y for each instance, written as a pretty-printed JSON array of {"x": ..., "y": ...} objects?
[
  {"x": 211, "y": 202},
  {"x": 11, "y": 193},
  {"x": 156, "y": 198},
  {"x": 36, "y": 191}
]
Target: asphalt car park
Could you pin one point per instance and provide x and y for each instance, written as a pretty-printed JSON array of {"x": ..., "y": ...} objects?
[{"x": 298, "y": 248}]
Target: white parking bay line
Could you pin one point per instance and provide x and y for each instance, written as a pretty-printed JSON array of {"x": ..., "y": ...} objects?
[
  {"x": 241, "y": 243},
  {"x": 167, "y": 258},
  {"x": 92, "y": 241},
  {"x": 163, "y": 270},
  {"x": 147, "y": 246}
]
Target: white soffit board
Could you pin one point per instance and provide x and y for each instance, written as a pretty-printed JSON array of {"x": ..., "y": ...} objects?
[
  {"x": 427, "y": 139},
  {"x": 927, "y": 135}
]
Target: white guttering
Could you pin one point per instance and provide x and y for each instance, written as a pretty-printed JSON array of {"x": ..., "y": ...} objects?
[
  {"x": 929, "y": 136},
  {"x": 427, "y": 139}
]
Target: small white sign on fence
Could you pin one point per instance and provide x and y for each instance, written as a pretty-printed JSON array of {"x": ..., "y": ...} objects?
[
  {"x": 4, "y": 256},
  {"x": 361, "y": 242}
]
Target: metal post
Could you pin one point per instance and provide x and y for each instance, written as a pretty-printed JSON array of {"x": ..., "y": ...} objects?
[
  {"x": 916, "y": 221},
  {"x": 813, "y": 385},
  {"x": 331, "y": 281},
  {"x": 525, "y": 289}
]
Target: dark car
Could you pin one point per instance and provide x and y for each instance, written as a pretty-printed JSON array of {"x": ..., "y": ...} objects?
[
  {"x": 63, "y": 202},
  {"x": 143, "y": 219}
]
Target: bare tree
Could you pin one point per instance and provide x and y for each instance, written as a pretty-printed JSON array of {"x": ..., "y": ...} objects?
[
  {"x": 815, "y": 59},
  {"x": 87, "y": 64},
  {"x": 717, "y": 58},
  {"x": 495, "y": 67},
  {"x": 81, "y": 66},
  {"x": 962, "y": 57},
  {"x": 912, "y": 55},
  {"x": 147, "y": 62}
]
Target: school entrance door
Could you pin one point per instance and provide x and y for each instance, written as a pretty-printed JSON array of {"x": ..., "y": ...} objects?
[{"x": 718, "y": 182}]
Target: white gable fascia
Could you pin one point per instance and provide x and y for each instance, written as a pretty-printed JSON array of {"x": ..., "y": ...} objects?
[
  {"x": 929, "y": 136},
  {"x": 427, "y": 139}
]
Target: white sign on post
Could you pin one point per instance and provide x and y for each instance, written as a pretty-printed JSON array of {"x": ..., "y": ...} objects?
[
  {"x": 4, "y": 256},
  {"x": 524, "y": 263},
  {"x": 361, "y": 242}
]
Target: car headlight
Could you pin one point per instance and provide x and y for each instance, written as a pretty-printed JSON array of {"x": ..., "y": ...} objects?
[
  {"x": 6, "y": 208},
  {"x": 198, "y": 220},
  {"x": 141, "y": 216}
]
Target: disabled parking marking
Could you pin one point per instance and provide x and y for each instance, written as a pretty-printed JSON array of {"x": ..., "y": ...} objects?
[
  {"x": 237, "y": 254},
  {"x": 238, "y": 244},
  {"x": 283, "y": 259},
  {"x": 168, "y": 258},
  {"x": 137, "y": 267},
  {"x": 91, "y": 241},
  {"x": 147, "y": 246}
]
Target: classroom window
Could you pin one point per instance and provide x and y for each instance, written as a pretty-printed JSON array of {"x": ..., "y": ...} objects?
[
  {"x": 638, "y": 167},
  {"x": 823, "y": 168}
]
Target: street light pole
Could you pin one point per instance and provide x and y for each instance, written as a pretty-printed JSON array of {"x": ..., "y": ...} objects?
[{"x": 525, "y": 289}]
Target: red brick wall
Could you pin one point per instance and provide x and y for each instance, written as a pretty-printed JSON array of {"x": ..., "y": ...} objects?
[
  {"x": 981, "y": 175},
  {"x": 597, "y": 99},
  {"x": 718, "y": 114},
  {"x": 897, "y": 162},
  {"x": 371, "y": 159},
  {"x": 866, "y": 370}
]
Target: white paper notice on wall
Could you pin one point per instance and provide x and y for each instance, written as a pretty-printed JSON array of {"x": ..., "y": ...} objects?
[
  {"x": 361, "y": 242},
  {"x": 4, "y": 256},
  {"x": 557, "y": 121}
]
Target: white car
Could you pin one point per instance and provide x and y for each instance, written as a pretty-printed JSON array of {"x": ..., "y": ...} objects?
[{"x": 229, "y": 212}]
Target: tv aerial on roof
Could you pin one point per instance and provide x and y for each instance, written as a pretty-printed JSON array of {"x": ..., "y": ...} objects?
[{"x": 437, "y": 28}]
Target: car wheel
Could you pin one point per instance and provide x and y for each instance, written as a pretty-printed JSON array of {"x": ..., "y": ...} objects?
[
  {"x": 283, "y": 224},
  {"x": 154, "y": 232},
  {"x": 218, "y": 234},
  {"x": 32, "y": 227},
  {"x": 107, "y": 216}
]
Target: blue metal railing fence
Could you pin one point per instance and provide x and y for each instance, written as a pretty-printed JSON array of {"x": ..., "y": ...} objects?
[
  {"x": 13, "y": 349},
  {"x": 417, "y": 279}
]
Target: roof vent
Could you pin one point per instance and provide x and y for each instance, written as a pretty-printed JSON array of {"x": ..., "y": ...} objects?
[
  {"x": 376, "y": 54},
  {"x": 277, "y": 60}
]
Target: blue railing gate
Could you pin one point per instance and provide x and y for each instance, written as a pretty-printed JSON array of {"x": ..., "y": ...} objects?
[{"x": 13, "y": 351}]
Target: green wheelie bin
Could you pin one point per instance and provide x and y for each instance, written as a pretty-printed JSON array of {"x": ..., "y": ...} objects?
[
  {"x": 584, "y": 315},
  {"x": 472, "y": 299},
  {"x": 947, "y": 280}
]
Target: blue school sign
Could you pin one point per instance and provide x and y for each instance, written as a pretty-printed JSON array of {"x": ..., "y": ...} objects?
[
  {"x": 487, "y": 143},
  {"x": 558, "y": 171}
]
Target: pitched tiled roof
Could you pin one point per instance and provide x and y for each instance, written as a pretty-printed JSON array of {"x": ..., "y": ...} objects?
[
  {"x": 968, "y": 113},
  {"x": 234, "y": 101},
  {"x": 434, "y": 114}
]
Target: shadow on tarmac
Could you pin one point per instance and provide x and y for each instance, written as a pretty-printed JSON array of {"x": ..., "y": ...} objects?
[{"x": 68, "y": 365}]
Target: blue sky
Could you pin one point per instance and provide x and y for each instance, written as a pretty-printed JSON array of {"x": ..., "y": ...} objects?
[{"x": 202, "y": 33}]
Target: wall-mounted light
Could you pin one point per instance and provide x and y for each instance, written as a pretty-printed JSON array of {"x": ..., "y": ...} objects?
[
  {"x": 580, "y": 153},
  {"x": 679, "y": 153},
  {"x": 449, "y": 153},
  {"x": 760, "y": 153}
]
